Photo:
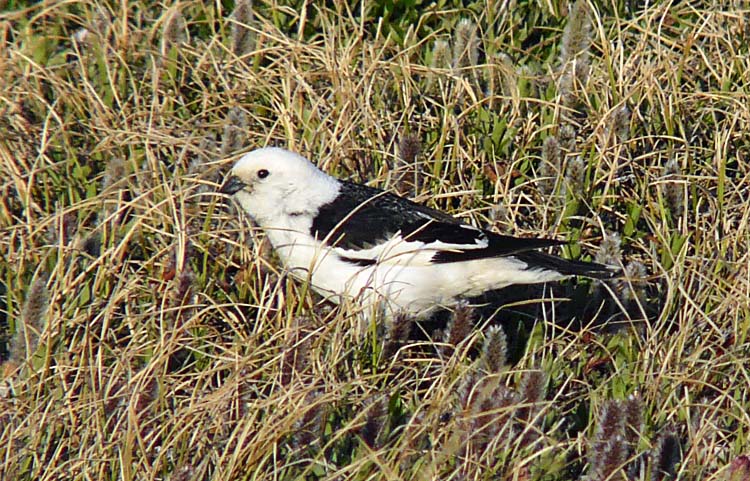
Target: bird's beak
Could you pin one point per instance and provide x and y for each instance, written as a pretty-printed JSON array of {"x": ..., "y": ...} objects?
[{"x": 232, "y": 185}]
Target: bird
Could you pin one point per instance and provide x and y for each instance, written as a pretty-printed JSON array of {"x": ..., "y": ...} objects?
[{"x": 352, "y": 241}]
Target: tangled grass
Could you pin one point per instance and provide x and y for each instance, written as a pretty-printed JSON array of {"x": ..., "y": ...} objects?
[{"x": 150, "y": 333}]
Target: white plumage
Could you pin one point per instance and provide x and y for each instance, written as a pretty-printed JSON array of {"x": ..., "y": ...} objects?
[{"x": 353, "y": 240}]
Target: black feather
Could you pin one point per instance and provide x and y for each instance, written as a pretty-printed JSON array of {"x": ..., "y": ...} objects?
[
  {"x": 498, "y": 246},
  {"x": 540, "y": 260},
  {"x": 361, "y": 217}
]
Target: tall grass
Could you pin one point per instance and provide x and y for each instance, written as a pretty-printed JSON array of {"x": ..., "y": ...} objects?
[{"x": 149, "y": 332}]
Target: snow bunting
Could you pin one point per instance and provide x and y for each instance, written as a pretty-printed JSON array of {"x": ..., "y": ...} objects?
[{"x": 352, "y": 240}]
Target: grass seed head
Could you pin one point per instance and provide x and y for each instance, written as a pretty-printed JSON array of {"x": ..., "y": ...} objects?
[
  {"x": 673, "y": 192},
  {"x": 632, "y": 287},
  {"x": 551, "y": 165},
  {"x": 494, "y": 350},
  {"x": 308, "y": 429},
  {"x": 397, "y": 334},
  {"x": 666, "y": 456},
  {"x": 531, "y": 392},
  {"x": 408, "y": 170},
  {"x": 174, "y": 31},
  {"x": 607, "y": 457},
  {"x": 186, "y": 281},
  {"x": 297, "y": 352},
  {"x": 32, "y": 321},
  {"x": 242, "y": 38},
  {"x": 611, "y": 421},
  {"x": 465, "y": 44},
  {"x": 508, "y": 75},
  {"x": 375, "y": 423},
  {"x": 574, "y": 54},
  {"x": 498, "y": 214},
  {"x": 621, "y": 123},
  {"x": 235, "y": 132},
  {"x": 493, "y": 412},
  {"x": 567, "y": 138},
  {"x": 575, "y": 174},
  {"x": 633, "y": 407},
  {"x": 576, "y": 39},
  {"x": 441, "y": 56},
  {"x": 409, "y": 148},
  {"x": 115, "y": 171},
  {"x": 610, "y": 251},
  {"x": 461, "y": 324},
  {"x": 739, "y": 470},
  {"x": 186, "y": 472}
]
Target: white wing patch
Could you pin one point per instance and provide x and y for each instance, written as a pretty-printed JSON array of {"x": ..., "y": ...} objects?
[{"x": 397, "y": 251}]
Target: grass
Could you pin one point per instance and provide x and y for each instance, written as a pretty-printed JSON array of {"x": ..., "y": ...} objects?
[{"x": 151, "y": 334}]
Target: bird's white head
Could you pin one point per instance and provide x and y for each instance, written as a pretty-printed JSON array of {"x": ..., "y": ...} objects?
[{"x": 272, "y": 182}]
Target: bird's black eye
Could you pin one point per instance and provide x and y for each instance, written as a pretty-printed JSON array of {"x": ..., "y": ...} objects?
[{"x": 263, "y": 173}]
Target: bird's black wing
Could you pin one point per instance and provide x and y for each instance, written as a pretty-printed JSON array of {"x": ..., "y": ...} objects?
[{"x": 362, "y": 217}]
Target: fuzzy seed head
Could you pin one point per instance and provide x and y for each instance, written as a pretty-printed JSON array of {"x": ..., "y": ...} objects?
[
  {"x": 409, "y": 149},
  {"x": 461, "y": 325},
  {"x": 186, "y": 280},
  {"x": 633, "y": 285},
  {"x": 739, "y": 470},
  {"x": 465, "y": 394},
  {"x": 441, "y": 57},
  {"x": 498, "y": 214},
  {"x": 308, "y": 428},
  {"x": 32, "y": 321},
  {"x": 508, "y": 76},
  {"x": 143, "y": 396},
  {"x": 621, "y": 123},
  {"x": 465, "y": 44},
  {"x": 377, "y": 417},
  {"x": 551, "y": 152},
  {"x": 567, "y": 138},
  {"x": 494, "y": 350},
  {"x": 493, "y": 412},
  {"x": 633, "y": 407},
  {"x": 531, "y": 392},
  {"x": 667, "y": 454},
  {"x": 408, "y": 170},
  {"x": 398, "y": 333},
  {"x": 577, "y": 34},
  {"x": 174, "y": 30},
  {"x": 575, "y": 174},
  {"x": 102, "y": 21},
  {"x": 551, "y": 165},
  {"x": 92, "y": 244},
  {"x": 574, "y": 55},
  {"x": 611, "y": 422},
  {"x": 235, "y": 132},
  {"x": 297, "y": 355},
  {"x": 242, "y": 35},
  {"x": 607, "y": 457},
  {"x": 673, "y": 193},
  {"x": 185, "y": 472},
  {"x": 610, "y": 252},
  {"x": 114, "y": 172},
  {"x": 208, "y": 147}
]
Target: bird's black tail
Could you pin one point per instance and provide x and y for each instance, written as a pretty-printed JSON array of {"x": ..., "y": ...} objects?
[{"x": 540, "y": 260}]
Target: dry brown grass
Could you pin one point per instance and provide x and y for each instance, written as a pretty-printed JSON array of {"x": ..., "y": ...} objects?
[{"x": 151, "y": 334}]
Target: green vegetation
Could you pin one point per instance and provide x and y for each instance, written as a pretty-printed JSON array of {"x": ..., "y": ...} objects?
[{"x": 150, "y": 333}]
